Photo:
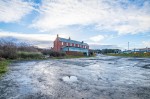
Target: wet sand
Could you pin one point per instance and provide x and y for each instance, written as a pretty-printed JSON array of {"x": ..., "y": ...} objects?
[{"x": 101, "y": 77}]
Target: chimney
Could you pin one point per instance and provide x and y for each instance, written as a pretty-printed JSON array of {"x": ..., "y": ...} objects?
[
  {"x": 57, "y": 36},
  {"x": 69, "y": 38},
  {"x": 82, "y": 42}
]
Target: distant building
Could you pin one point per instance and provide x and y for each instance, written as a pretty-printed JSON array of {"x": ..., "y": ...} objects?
[
  {"x": 68, "y": 45},
  {"x": 140, "y": 50},
  {"x": 127, "y": 51},
  {"x": 144, "y": 50}
]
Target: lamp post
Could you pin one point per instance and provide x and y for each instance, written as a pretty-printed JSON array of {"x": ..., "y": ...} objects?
[{"x": 128, "y": 46}]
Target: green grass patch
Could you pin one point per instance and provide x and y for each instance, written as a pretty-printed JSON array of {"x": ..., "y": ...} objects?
[
  {"x": 3, "y": 66},
  {"x": 147, "y": 55},
  {"x": 30, "y": 55}
]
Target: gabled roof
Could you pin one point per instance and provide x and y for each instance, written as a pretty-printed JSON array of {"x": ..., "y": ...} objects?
[{"x": 71, "y": 41}]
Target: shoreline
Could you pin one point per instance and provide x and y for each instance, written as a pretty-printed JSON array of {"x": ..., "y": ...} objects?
[
  {"x": 5, "y": 63},
  {"x": 130, "y": 55}
]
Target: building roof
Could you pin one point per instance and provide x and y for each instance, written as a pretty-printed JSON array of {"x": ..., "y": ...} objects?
[{"x": 71, "y": 41}]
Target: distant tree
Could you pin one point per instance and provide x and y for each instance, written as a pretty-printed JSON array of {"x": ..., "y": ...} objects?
[{"x": 105, "y": 51}]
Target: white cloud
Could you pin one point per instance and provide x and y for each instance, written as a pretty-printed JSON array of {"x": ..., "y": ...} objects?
[
  {"x": 104, "y": 14},
  {"x": 98, "y": 46},
  {"x": 40, "y": 40},
  {"x": 97, "y": 38},
  {"x": 14, "y": 10},
  {"x": 31, "y": 37},
  {"x": 146, "y": 43}
]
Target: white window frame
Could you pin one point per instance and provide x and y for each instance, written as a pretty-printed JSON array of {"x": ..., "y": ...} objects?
[{"x": 66, "y": 44}]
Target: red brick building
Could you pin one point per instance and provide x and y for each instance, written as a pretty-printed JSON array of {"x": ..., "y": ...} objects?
[{"x": 68, "y": 45}]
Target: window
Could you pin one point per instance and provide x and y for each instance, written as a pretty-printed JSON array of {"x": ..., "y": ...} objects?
[
  {"x": 66, "y": 44},
  {"x": 62, "y": 43},
  {"x": 70, "y": 44},
  {"x": 76, "y": 45}
]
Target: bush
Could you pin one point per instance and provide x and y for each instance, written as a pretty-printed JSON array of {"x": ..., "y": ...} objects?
[
  {"x": 73, "y": 53},
  {"x": 30, "y": 55},
  {"x": 63, "y": 54},
  {"x": 57, "y": 54},
  {"x": 8, "y": 50},
  {"x": 91, "y": 53},
  {"x": 27, "y": 48},
  {"x": 46, "y": 52},
  {"x": 53, "y": 53}
]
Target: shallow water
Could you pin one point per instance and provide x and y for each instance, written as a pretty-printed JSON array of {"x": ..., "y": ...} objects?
[{"x": 101, "y": 77}]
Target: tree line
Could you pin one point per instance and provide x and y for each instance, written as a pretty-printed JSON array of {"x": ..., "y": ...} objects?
[{"x": 105, "y": 51}]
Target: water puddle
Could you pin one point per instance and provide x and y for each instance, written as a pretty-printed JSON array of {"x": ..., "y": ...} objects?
[
  {"x": 70, "y": 79},
  {"x": 147, "y": 66}
]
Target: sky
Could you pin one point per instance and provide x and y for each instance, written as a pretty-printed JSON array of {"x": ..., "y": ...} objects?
[{"x": 100, "y": 23}]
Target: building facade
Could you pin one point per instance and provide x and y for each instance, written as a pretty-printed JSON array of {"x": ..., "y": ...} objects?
[{"x": 68, "y": 45}]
